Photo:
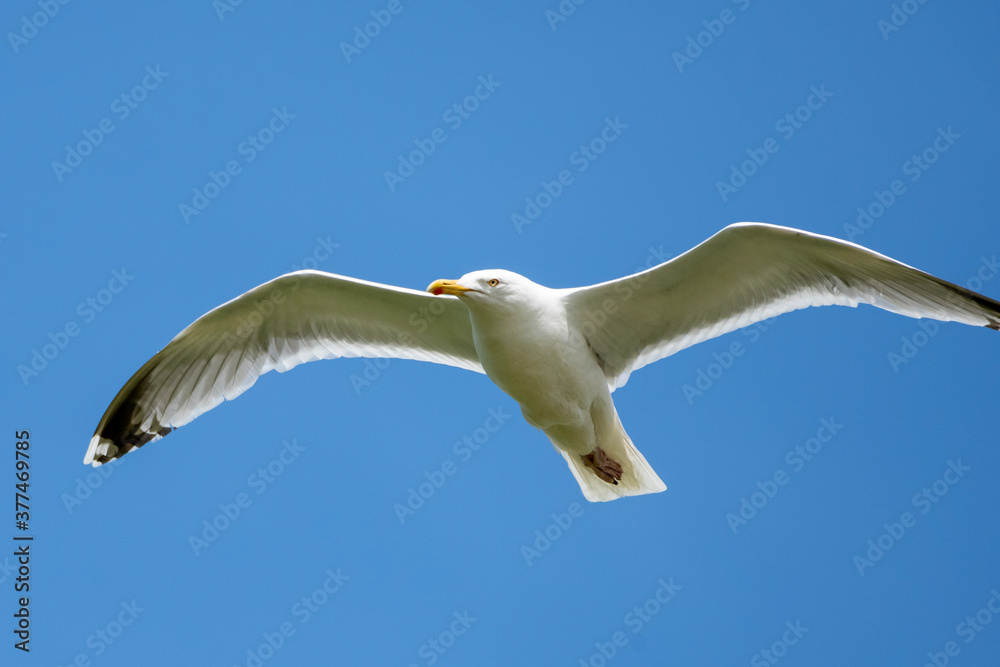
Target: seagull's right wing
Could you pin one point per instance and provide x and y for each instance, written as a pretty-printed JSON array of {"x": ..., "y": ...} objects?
[
  {"x": 746, "y": 273},
  {"x": 298, "y": 317}
]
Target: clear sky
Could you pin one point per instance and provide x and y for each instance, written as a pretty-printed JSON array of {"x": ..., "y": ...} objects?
[{"x": 833, "y": 474}]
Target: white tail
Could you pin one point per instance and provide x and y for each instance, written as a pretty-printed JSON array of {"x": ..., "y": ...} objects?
[{"x": 637, "y": 479}]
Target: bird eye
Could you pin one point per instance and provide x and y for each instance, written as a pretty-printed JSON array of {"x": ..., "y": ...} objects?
[{"x": 493, "y": 282}]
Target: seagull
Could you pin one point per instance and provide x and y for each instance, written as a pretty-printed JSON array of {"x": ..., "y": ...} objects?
[{"x": 560, "y": 353}]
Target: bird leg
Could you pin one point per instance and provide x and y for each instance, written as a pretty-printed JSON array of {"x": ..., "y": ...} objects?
[{"x": 603, "y": 465}]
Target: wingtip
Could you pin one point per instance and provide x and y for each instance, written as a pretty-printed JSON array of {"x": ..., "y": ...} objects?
[{"x": 100, "y": 451}]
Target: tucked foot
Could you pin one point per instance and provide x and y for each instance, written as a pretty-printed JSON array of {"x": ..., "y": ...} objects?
[{"x": 603, "y": 465}]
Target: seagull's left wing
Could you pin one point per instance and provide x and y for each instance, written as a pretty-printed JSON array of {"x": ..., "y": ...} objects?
[
  {"x": 298, "y": 317},
  {"x": 746, "y": 273}
]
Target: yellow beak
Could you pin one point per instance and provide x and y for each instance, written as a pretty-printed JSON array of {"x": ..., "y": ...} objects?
[{"x": 447, "y": 287}]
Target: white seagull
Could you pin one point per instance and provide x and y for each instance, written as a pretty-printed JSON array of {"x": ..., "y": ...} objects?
[{"x": 559, "y": 353}]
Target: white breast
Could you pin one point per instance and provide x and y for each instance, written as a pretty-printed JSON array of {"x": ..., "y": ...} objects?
[{"x": 535, "y": 359}]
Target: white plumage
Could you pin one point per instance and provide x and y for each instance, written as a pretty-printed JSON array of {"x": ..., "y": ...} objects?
[{"x": 558, "y": 352}]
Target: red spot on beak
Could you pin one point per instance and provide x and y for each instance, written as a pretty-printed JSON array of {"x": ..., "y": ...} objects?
[{"x": 437, "y": 291}]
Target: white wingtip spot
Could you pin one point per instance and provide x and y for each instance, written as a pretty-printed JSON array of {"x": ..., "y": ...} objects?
[{"x": 99, "y": 448}]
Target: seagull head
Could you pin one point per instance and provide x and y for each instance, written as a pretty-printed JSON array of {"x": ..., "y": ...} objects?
[{"x": 489, "y": 286}]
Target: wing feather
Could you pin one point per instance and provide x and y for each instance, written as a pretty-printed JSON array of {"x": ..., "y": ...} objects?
[
  {"x": 746, "y": 273},
  {"x": 293, "y": 319}
]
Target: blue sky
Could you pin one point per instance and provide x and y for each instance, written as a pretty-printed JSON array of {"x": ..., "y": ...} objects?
[{"x": 280, "y": 139}]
